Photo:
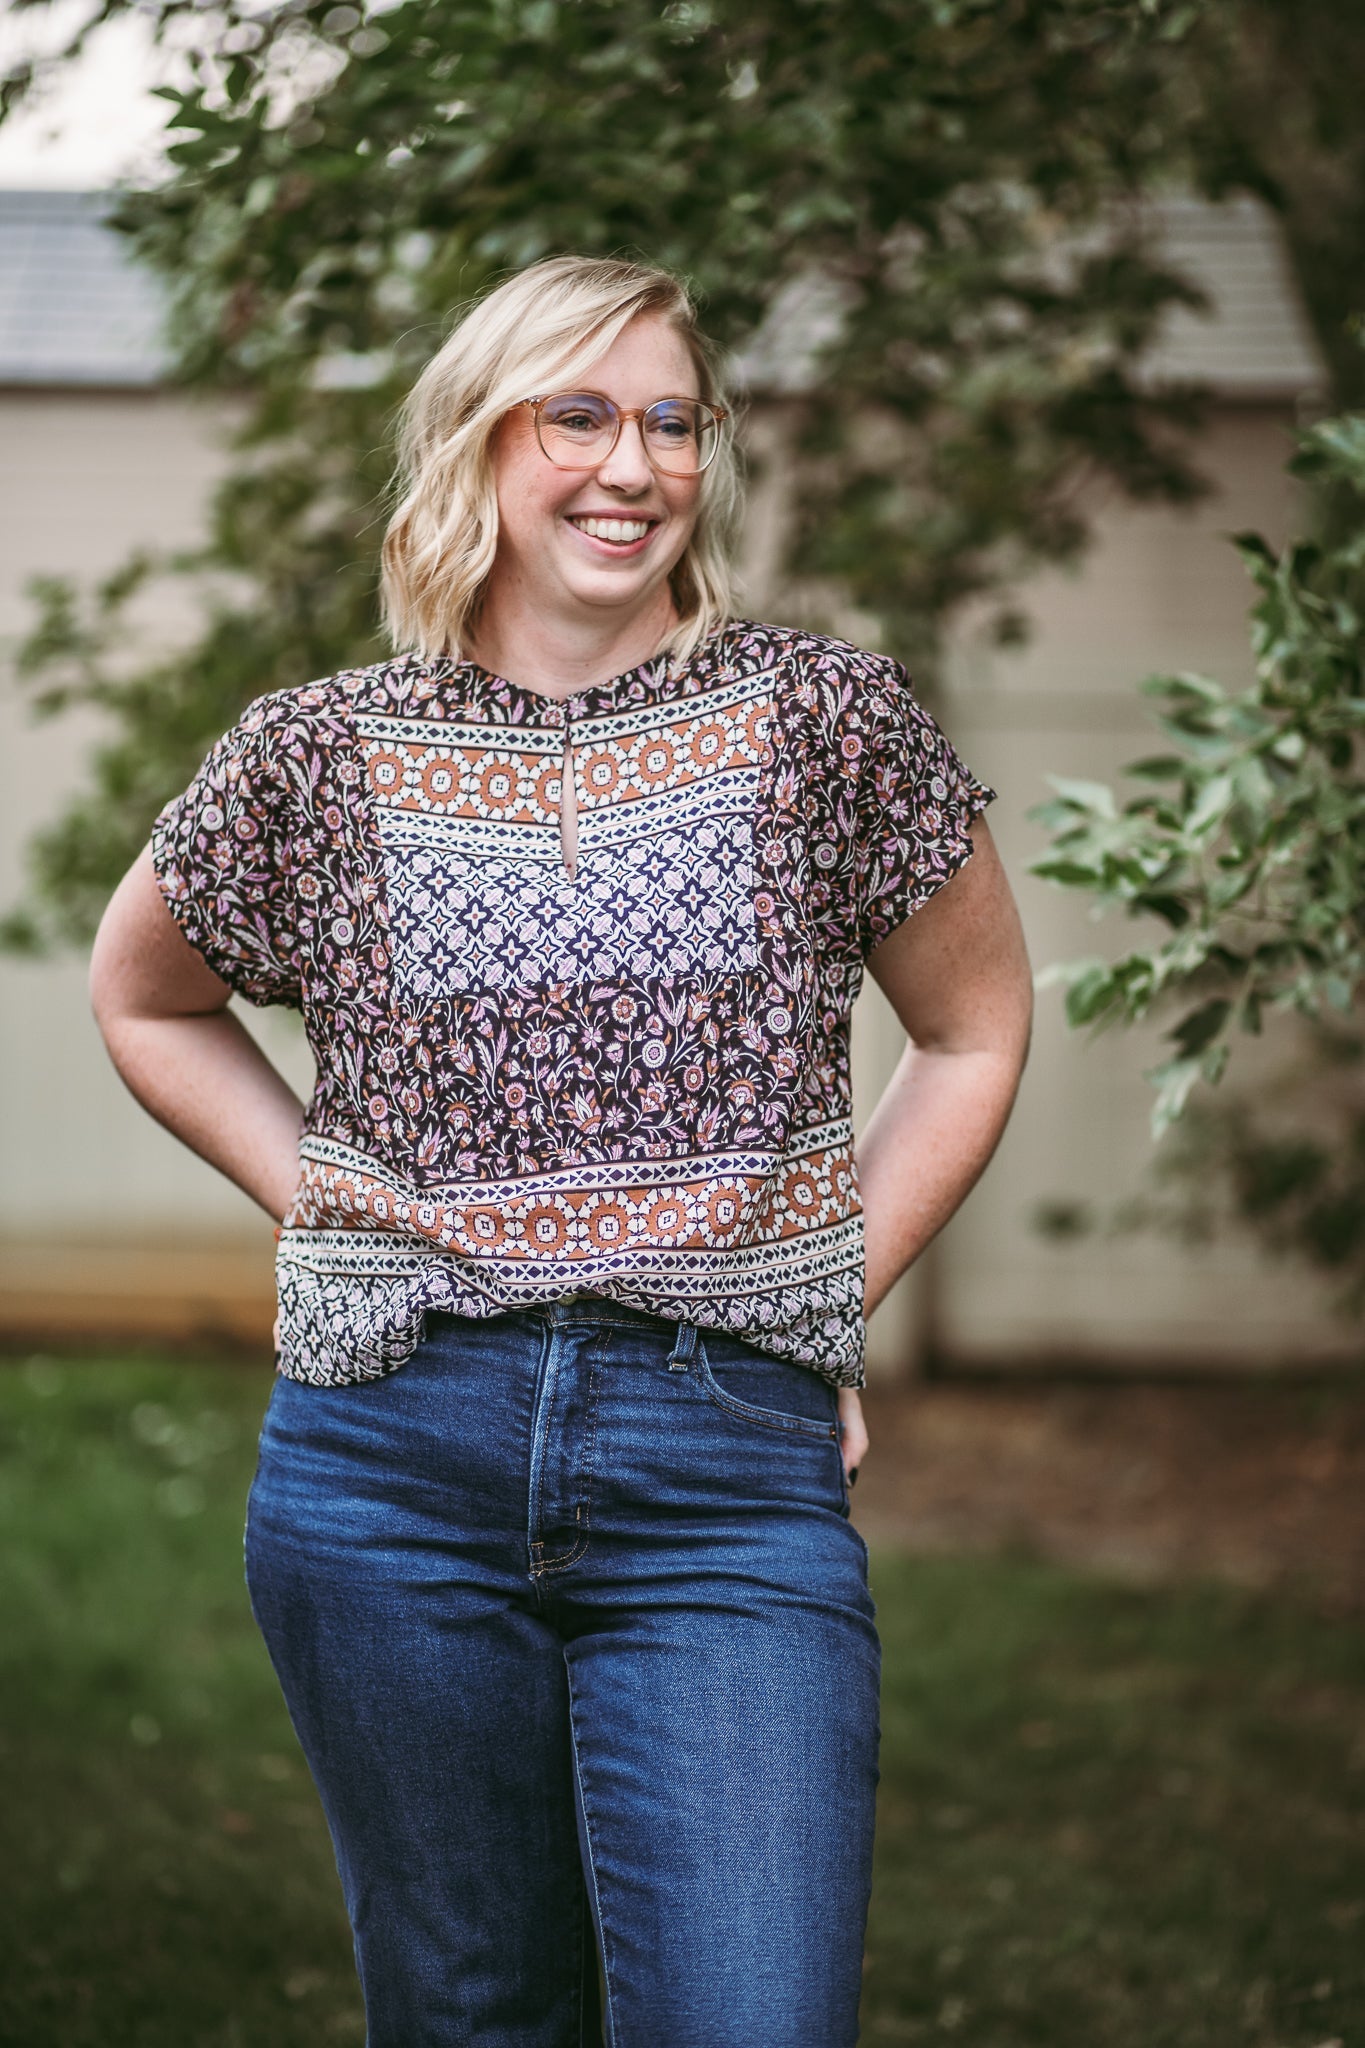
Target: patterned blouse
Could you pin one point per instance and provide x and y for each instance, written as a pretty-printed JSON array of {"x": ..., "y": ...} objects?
[{"x": 632, "y": 1081}]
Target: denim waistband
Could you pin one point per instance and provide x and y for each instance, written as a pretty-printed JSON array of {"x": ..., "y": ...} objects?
[
  {"x": 599, "y": 1308},
  {"x": 571, "y": 1309}
]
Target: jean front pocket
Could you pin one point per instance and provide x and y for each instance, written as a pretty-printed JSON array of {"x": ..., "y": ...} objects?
[{"x": 769, "y": 1392}]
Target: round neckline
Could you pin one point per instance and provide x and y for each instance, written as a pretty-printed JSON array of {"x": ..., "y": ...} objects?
[
  {"x": 647, "y": 682},
  {"x": 653, "y": 672}
]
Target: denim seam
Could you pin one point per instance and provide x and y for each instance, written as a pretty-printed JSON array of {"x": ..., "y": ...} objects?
[
  {"x": 762, "y": 1418},
  {"x": 610, "y": 2013},
  {"x": 587, "y": 1961},
  {"x": 548, "y": 1382},
  {"x": 845, "y": 1497},
  {"x": 545, "y": 1423},
  {"x": 544, "y": 1566}
]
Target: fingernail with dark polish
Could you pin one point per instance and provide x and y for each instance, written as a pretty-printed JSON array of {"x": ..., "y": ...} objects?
[{"x": 853, "y": 1476}]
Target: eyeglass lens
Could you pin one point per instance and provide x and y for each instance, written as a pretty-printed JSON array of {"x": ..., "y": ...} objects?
[{"x": 576, "y": 428}]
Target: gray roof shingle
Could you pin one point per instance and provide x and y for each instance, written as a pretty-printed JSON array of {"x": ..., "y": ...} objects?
[
  {"x": 1258, "y": 343},
  {"x": 74, "y": 307}
]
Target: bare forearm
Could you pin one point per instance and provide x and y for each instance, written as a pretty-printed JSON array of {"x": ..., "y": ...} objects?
[
  {"x": 205, "y": 1078},
  {"x": 926, "y": 1144}
]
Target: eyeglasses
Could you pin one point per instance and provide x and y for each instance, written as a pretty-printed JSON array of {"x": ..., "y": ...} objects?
[{"x": 579, "y": 429}]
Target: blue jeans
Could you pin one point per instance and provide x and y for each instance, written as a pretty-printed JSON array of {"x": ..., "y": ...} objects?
[{"x": 576, "y": 1635}]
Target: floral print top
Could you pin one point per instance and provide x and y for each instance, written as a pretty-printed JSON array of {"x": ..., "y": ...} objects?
[{"x": 631, "y": 1080}]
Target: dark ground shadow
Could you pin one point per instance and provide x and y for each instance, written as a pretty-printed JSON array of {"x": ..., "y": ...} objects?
[{"x": 1263, "y": 1484}]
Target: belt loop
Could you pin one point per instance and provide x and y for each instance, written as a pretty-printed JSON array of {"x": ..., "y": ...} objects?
[{"x": 684, "y": 1348}]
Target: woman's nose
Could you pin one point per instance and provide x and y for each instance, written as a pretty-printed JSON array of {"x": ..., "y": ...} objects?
[{"x": 627, "y": 468}]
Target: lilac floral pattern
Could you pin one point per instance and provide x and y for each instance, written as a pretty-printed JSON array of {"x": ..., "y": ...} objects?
[{"x": 630, "y": 1081}]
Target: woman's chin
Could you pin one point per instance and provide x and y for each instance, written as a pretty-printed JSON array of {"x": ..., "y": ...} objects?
[{"x": 617, "y": 590}]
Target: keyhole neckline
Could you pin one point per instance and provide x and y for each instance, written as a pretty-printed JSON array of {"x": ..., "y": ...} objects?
[{"x": 568, "y": 807}]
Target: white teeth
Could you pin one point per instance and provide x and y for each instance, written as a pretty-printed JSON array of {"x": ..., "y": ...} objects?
[{"x": 613, "y": 529}]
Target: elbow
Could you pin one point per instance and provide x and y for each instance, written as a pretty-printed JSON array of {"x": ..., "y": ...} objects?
[
  {"x": 117, "y": 981},
  {"x": 1026, "y": 1013},
  {"x": 1021, "y": 1038},
  {"x": 103, "y": 979},
  {"x": 1022, "y": 1003}
]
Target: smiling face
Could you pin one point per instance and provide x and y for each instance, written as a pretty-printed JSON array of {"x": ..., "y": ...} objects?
[{"x": 595, "y": 546}]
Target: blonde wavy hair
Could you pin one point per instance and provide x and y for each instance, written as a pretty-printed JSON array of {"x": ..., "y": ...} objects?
[{"x": 537, "y": 332}]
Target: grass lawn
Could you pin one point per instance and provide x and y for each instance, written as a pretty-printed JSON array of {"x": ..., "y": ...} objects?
[{"x": 1111, "y": 1817}]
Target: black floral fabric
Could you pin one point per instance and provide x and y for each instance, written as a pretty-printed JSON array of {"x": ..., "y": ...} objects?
[{"x": 629, "y": 1080}]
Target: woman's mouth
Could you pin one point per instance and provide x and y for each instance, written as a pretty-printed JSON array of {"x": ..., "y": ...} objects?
[{"x": 613, "y": 535}]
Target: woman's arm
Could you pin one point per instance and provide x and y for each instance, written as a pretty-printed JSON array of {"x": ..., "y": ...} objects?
[
  {"x": 163, "y": 1015},
  {"x": 956, "y": 974}
]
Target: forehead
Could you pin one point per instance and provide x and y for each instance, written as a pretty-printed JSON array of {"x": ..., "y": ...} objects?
[{"x": 649, "y": 359}]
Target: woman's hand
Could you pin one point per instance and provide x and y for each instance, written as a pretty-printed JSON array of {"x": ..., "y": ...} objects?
[{"x": 853, "y": 1438}]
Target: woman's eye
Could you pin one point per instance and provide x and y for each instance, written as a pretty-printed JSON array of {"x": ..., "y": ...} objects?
[{"x": 570, "y": 416}]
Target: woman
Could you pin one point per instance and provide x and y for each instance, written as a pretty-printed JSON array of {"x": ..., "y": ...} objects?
[{"x": 549, "y": 1537}]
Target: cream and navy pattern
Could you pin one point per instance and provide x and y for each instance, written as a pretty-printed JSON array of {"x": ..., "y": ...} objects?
[
  {"x": 479, "y": 897},
  {"x": 632, "y": 1081}
]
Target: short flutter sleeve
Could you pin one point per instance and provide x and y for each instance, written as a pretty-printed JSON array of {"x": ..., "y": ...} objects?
[
  {"x": 914, "y": 804},
  {"x": 224, "y": 859}
]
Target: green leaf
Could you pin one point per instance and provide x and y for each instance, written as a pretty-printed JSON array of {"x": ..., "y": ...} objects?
[
  {"x": 1212, "y": 805},
  {"x": 1172, "y": 909},
  {"x": 1187, "y": 687},
  {"x": 1199, "y": 1029},
  {"x": 1254, "y": 549},
  {"x": 1071, "y": 874},
  {"x": 1094, "y": 797},
  {"x": 1173, "y": 1081},
  {"x": 1091, "y": 994},
  {"x": 1225, "y": 890}
]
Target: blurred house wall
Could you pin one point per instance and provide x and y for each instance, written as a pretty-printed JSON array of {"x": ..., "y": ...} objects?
[
  {"x": 108, "y": 1226},
  {"x": 105, "y": 1222}
]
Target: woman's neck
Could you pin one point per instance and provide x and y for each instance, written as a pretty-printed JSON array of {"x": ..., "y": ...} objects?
[{"x": 559, "y": 657}]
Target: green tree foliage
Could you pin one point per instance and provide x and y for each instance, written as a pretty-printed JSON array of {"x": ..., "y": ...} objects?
[
  {"x": 950, "y": 180},
  {"x": 1244, "y": 850}
]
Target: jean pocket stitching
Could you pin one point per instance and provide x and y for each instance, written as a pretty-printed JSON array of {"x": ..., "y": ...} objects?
[{"x": 763, "y": 1418}]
